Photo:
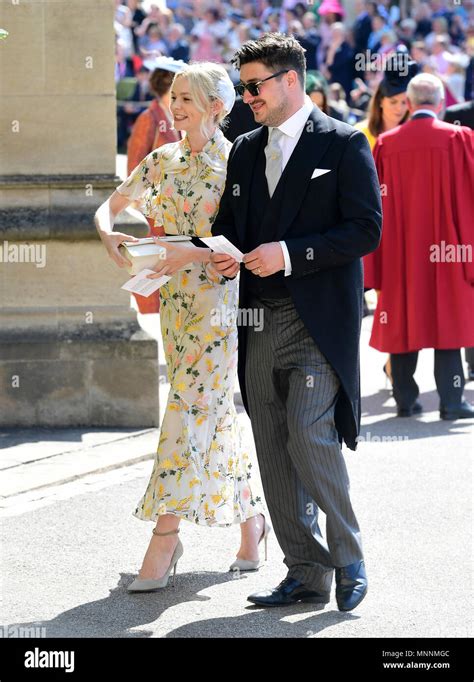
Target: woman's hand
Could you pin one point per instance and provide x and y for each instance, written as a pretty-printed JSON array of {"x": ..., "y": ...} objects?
[
  {"x": 104, "y": 221},
  {"x": 176, "y": 258},
  {"x": 112, "y": 241}
]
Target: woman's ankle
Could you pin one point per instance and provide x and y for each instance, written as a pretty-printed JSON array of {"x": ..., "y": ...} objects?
[{"x": 167, "y": 525}]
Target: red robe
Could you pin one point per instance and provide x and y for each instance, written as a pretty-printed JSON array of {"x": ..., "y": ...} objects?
[{"x": 426, "y": 172}]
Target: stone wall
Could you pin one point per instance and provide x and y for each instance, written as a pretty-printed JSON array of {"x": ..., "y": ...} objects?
[{"x": 71, "y": 350}]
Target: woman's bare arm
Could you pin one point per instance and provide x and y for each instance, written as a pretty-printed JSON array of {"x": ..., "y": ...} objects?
[{"x": 104, "y": 221}]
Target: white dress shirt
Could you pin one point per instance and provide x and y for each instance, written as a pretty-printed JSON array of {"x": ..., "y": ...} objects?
[{"x": 291, "y": 129}]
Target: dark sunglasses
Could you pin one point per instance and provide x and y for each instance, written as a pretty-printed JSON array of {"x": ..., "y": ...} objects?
[{"x": 254, "y": 88}]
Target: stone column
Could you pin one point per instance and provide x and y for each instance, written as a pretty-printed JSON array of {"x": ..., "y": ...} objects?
[{"x": 71, "y": 350}]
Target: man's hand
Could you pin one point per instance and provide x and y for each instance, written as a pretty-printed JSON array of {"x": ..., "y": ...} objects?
[
  {"x": 265, "y": 260},
  {"x": 224, "y": 264}
]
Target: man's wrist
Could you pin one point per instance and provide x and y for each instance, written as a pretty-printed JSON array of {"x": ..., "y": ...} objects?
[{"x": 286, "y": 258}]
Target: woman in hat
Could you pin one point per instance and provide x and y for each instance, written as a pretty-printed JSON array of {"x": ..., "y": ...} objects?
[
  {"x": 152, "y": 129},
  {"x": 331, "y": 12},
  {"x": 455, "y": 78},
  {"x": 388, "y": 108},
  {"x": 202, "y": 471}
]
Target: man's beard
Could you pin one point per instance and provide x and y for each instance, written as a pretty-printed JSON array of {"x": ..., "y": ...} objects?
[{"x": 276, "y": 116}]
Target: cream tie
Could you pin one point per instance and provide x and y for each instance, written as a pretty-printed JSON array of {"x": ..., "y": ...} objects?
[{"x": 274, "y": 158}]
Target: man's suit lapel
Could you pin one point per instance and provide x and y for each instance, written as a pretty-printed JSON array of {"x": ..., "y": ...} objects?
[{"x": 245, "y": 173}]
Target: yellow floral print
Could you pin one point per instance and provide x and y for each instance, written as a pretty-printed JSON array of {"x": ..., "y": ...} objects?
[{"x": 201, "y": 471}]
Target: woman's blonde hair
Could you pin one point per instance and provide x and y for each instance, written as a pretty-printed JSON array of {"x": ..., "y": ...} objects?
[{"x": 205, "y": 87}]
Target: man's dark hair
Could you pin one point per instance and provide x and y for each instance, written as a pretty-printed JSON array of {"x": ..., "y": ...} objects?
[{"x": 276, "y": 50}]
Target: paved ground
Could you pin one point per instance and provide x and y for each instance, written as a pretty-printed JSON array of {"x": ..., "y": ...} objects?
[{"x": 71, "y": 544}]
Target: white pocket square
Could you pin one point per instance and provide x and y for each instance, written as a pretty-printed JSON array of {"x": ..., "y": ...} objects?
[{"x": 319, "y": 171}]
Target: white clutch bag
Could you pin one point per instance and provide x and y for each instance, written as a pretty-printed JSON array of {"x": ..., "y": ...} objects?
[{"x": 146, "y": 254}]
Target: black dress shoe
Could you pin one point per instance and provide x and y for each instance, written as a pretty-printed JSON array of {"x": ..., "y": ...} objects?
[
  {"x": 289, "y": 591},
  {"x": 351, "y": 586},
  {"x": 416, "y": 408},
  {"x": 462, "y": 411}
]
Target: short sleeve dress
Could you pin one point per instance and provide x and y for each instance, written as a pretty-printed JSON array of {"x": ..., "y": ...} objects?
[{"x": 202, "y": 470}]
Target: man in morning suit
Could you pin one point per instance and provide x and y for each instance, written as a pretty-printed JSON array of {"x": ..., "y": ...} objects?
[{"x": 302, "y": 202}]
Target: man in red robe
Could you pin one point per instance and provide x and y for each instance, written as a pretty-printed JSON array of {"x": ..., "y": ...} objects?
[{"x": 424, "y": 265}]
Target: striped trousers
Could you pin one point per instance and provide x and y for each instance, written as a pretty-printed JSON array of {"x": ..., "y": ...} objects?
[{"x": 292, "y": 391}]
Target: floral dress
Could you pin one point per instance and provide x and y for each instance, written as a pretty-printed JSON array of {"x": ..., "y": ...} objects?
[{"x": 202, "y": 471}]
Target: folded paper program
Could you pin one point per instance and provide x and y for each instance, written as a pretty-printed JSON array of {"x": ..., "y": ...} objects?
[
  {"x": 221, "y": 244},
  {"x": 141, "y": 284}
]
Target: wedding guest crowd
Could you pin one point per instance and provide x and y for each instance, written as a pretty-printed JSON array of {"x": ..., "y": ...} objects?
[{"x": 347, "y": 57}]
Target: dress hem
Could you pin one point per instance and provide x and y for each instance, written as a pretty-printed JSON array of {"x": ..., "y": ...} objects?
[{"x": 200, "y": 522}]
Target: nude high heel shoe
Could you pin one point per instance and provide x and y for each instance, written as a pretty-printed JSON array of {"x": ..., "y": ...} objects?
[
  {"x": 246, "y": 564},
  {"x": 148, "y": 584}
]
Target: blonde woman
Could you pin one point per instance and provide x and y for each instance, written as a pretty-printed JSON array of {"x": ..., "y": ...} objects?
[{"x": 202, "y": 471}]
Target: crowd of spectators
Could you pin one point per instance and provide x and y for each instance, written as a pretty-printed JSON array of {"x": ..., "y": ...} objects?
[{"x": 345, "y": 57}]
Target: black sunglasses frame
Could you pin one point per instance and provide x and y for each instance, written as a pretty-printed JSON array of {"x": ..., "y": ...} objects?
[{"x": 253, "y": 88}]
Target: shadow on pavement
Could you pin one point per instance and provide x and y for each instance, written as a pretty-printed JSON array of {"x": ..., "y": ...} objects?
[
  {"x": 389, "y": 425},
  {"x": 116, "y": 615}
]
